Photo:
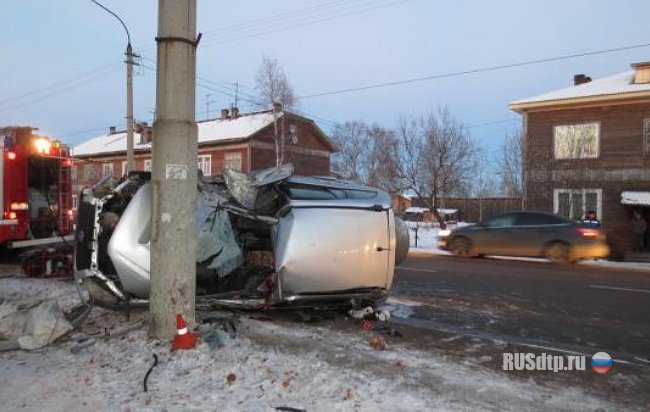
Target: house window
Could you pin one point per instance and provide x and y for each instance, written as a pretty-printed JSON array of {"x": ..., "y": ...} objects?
[
  {"x": 575, "y": 203},
  {"x": 232, "y": 160},
  {"x": 205, "y": 164},
  {"x": 123, "y": 167},
  {"x": 74, "y": 202},
  {"x": 577, "y": 141},
  {"x": 147, "y": 165},
  {"x": 89, "y": 173},
  {"x": 107, "y": 169},
  {"x": 646, "y": 136}
]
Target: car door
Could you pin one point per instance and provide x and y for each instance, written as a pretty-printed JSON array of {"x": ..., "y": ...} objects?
[
  {"x": 333, "y": 249},
  {"x": 493, "y": 236},
  {"x": 536, "y": 230}
]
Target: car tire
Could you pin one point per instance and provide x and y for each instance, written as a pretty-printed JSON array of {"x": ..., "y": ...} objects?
[
  {"x": 559, "y": 253},
  {"x": 460, "y": 247}
]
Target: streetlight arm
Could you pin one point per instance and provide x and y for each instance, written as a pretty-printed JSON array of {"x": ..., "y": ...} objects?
[{"x": 128, "y": 35}]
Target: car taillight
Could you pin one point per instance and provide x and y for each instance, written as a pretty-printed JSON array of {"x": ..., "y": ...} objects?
[
  {"x": 589, "y": 233},
  {"x": 10, "y": 215}
]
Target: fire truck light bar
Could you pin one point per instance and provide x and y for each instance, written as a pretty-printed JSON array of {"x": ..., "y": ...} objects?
[
  {"x": 42, "y": 145},
  {"x": 19, "y": 206}
]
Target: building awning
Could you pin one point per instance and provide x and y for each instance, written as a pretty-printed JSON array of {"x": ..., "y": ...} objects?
[{"x": 635, "y": 198}]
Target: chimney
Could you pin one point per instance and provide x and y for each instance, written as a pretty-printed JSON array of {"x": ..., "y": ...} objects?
[
  {"x": 234, "y": 112},
  {"x": 224, "y": 114},
  {"x": 277, "y": 107},
  {"x": 641, "y": 72},
  {"x": 146, "y": 132},
  {"x": 112, "y": 130},
  {"x": 579, "y": 79}
]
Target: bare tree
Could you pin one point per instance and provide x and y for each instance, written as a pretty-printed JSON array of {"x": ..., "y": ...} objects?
[
  {"x": 484, "y": 183},
  {"x": 352, "y": 139},
  {"x": 272, "y": 85},
  {"x": 510, "y": 163},
  {"x": 382, "y": 159},
  {"x": 435, "y": 157},
  {"x": 274, "y": 91}
]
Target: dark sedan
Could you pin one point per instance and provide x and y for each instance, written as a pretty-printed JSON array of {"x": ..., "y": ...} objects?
[{"x": 530, "y": 234}]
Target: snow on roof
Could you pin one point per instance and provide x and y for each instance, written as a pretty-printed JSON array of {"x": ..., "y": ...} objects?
[
  {"x": 209, "y": 131},
  {"x": 416, "y": 210},
  {"x": 635, "y": 198},
  {"x": 443, "y": 211},
  {"x": 622, "y": 83}
]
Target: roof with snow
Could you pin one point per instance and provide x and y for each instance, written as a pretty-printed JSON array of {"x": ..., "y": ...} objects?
[
  {"x": 635, "y": 198},
  {"x": 212, "y": 131},
  {"x": 609, "y": 88}
]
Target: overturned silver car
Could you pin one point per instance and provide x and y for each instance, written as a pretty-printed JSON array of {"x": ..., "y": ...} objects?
[{"x": 267, "y": 239}]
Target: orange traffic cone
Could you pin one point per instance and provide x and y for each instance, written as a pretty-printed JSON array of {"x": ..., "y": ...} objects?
[{"x": 183, "y": 339}]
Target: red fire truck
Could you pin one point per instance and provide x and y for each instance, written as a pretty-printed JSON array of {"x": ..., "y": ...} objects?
[{"x": 35, "y": 189}]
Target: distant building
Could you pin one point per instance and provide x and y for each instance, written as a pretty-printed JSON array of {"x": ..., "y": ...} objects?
[
  {"x": 242, "y": 142},
  {"x": 587, "y": 147}
]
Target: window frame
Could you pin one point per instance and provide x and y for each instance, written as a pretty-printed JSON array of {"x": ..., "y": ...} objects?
[
  {"x": 598, "y": 136},
  {"x": 209, "y": 163},
  {"x": 571, "y": 192},
  {"x": 147, "y": 165},
  {"x": 227, "y": 161},
  {"x": 646, "y": 136},
  {"x": 111, "y": 170}
]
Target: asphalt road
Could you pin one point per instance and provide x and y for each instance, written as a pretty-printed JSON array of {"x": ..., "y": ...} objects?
[{"x": 581, "y": 309}]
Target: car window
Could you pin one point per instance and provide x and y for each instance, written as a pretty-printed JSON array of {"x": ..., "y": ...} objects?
[
  {"x": 360, "y": 194},
  {"x": 501, "y": 221},
  {"x": 304, "y": 192}
]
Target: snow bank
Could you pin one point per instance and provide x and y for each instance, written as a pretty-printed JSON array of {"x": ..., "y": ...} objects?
[{"x": 270, "y": 364}]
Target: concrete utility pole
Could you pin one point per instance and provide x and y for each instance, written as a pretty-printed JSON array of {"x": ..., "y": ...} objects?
[
  {"x": 174, "y": 181},
  {"x": 130, "y": 165},
  {"x": 129, "y": 91}
]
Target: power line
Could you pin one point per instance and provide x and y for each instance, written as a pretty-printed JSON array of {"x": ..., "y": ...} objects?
[
  {"x": 474, "y": 71},
  {"x": 287, "y": 20},
  {"x": 293, "y": 25},
  {"x": 61, "y": 83},
  {"x": 59, "y": 91},
  {"x": 278, "y": 16}
]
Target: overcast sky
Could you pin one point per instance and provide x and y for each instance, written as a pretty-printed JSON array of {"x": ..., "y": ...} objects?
[{"x": 63, "y": 70}]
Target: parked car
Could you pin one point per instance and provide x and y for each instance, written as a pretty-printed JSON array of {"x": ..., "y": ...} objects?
[
  {"x": 264, "y": 239},
  {"x": 530, "y": 234}
]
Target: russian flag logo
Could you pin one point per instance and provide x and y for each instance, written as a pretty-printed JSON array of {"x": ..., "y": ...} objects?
[{"x": 601, "y": 362}]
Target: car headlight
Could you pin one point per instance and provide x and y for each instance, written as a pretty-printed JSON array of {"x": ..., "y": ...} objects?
[{"x": 444, "y": 233}]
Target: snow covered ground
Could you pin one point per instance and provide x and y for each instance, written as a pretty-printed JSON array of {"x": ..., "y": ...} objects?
[
  {"x": 271, "y": 363},
  {"x": 427, "y": 233}
]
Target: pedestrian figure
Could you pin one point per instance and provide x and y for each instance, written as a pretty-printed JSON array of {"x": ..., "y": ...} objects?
[
  {"x": 590, "y": 220},
  {"x": 638, "y": 227}
]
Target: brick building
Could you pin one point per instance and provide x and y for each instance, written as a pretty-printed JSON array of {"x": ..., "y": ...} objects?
[
  {"x": 587, "y": 147},
  {"x": 242, "y": 142}
]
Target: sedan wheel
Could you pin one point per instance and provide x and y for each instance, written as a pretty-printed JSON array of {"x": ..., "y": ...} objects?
[
  {"x": 559, "y": 253},
  {"x": 460, "y": 248}
]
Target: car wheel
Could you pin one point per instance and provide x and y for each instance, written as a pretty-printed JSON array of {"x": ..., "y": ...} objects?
[
  {"x": 460, "y": 247},
  {"x": 559, "y": 253}
]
